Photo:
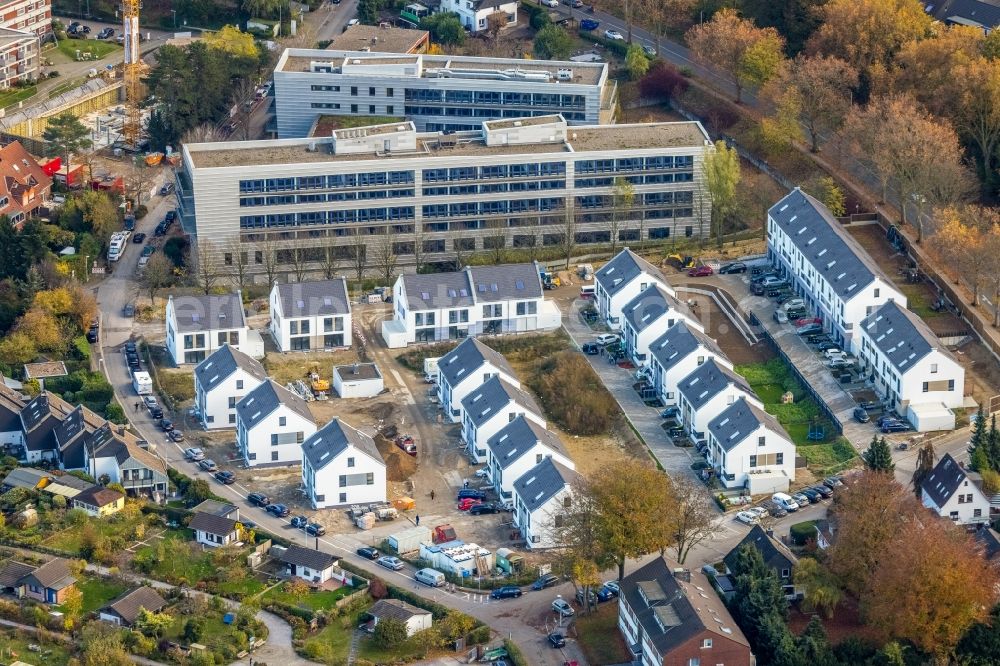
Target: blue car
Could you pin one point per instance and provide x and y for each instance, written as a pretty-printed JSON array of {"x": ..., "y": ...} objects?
[{"x": 589, "y": 24}]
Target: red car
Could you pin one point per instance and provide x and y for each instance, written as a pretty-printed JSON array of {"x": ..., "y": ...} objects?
[
  {"x": 805, "y": 321},
  {"x": 700, "y": 271},
  {"x": 467, "y": 503}
]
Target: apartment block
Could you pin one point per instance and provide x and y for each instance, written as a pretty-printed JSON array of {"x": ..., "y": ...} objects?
[
  {"x": 298, "y": 206},
  {"x": 33, "y": 16},
  {"x": 436, "y": 92}
]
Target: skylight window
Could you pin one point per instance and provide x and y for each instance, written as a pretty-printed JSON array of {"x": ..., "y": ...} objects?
[
  {"x": 519, "y": 284},
  {"x": 424, "y": 295}
]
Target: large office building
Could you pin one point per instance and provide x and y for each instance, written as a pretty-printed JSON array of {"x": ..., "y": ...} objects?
[
  {"x": 295, "y": 203},
  {"x": 436, "y": 92}
]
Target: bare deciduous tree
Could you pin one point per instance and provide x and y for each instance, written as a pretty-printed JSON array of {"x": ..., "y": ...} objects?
[
  {"x": 622, "y": 203},
  {"x": 418, "y": 245},
  {"x": 207, "y": 270},
  {"x": 297, "y": 255},
  {"x": 691, "y": 519},
  {"x": 269, "y": 254},
  {"x": 359, "y": 257},
  {"x": 384, "y": 258},
  {"x": 238, "y": 262},
  {"x": 330, "y": 262},
  {"x": 496, "y": 240},
  {"x": 569, "y": 230}
]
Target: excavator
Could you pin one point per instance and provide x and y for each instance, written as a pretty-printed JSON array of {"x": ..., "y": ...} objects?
[{"x": 320, "y": 387}]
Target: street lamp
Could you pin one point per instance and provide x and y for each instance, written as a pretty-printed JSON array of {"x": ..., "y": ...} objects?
[{"x": 174, "y": 12}]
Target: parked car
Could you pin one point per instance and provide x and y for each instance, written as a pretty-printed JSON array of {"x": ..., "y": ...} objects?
[
  {"x": 785, "y": 501},
  {"x": 106, "y": 33},
  {"x": 831, "y": 354},
  {"x": 614, "y": 36},
  {"x": 155, "y": 412},
  {"x": 171, "y": 217},
  {"x": 194, "y": 454},
  {"x": 506, "y": 592},
  {"x": 175, "y": 436},
  {"x": 138, "y": 238},
  {"x": 166, "y": 425},
  {"x": 556, "y": 640},
  {"x": 812, "y": 494},
  {"x": 369, "y": 553},
  {"x": 774, "y": 509},
  {"x": 471, "y": 493},
  {"x": 480, "y": 509},
  {"x": 827, "y": 345},
  {"x": 613, "y": 587},
  {"x": 832, "y": 482},
  {"x": 208, "y": 465},
  {"x": 700, "y": 271},
  {"x": 747, "y": 518},
  {"x": 840, "y": 364},
  {"x": 801, "y": 499},
  {"x": 606, "y": 338},
  {"x": 548, "y": 580},
  {"x": 589, "y": 24},
  {"x": 225, "y": 477},
  {"x": 670, "y": 412},
  {"x": 591, "y": 348},
  {"x": 258, "y": 499},
  {"x": 809, "y": 328},
  {"x": 805, "y": 321},
  {"x": 279, "y": 510},
  {"x": 315, "y": 529},
  {"x": 649, "y": 51},
  {"x": 861, "y": 415},
  {"x": 795, "y": 313},
  {"x": 780, "y": 316},
  {"x": 562, "y": 607},
  {"x": 550, "y": 3},
  {"x": 128, "y": 310},
  {"x": 390, "y": 562},
  {"x": 592, "y": 596},
  {"x": 166, "y": 189},
  {"x": 466, "y": 503},
  {"x": 895, "y": 426},
  {"x": 824, "y": 491},
  {"x": 735, "y": 267},
  {"x": 93, "y": 334},
  {"x": 298, "y": 522}
]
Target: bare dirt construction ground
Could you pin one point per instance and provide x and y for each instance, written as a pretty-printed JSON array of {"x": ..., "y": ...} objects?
[{"x": 284, "y": 368}]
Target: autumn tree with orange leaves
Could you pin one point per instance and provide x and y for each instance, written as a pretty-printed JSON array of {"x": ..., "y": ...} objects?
[{"x": 967, "y": 240}]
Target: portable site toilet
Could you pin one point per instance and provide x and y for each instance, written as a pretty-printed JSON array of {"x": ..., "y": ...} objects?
[{"x": 508, "y": 561}]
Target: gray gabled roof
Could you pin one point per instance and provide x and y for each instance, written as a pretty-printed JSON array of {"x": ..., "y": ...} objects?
[
  {"x": 431, "y": 291},
  {"x": 970, "y": 12},
  {"x": 223, "y": 362},
  {"x": 196, "y": 314},
  {"x": 267, "y": 397},
  {"x": 333, "y": 439},
  {"x": 737, "y": 421},
  {"x": 466, "y": 358},
  {"x": 775, "y": 555},
  {"x": 831, "y": 251},
  {"x": 129, "y": 605},
  {"x": 212, "y": 524},
  {"x": 707, "y": 380},
  {"x": 395, "y": 609},
  {"x": 53, "y": 574},
  {"x": 314, "y": 299},
  {"x": 945, "y": 480},
  {"x": 483, "y": 403},
  {"x": 622, "y": 269},
  {"x": 680, "y": 340},
  {"x": 506, "y": 282},
  {"x": 39, "y": 419},
  {"x": 518, "y": 437},
  {"x": 903, "y": 337},
  {"x": 13, "y": 572},
  {"x": 543, "y": 482},
  {"x": 307, "y": 557},
  {"x": 650, "y": 305}
]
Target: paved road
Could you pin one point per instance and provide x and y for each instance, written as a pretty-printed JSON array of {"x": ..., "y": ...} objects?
[{"x": 332, "y": 18}]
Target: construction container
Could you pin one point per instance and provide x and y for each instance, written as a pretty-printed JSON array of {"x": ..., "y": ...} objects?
[
  {"x": 443, "y": 533},
  {"x": 404, "y": 504},
  {"x": 409, "y": 540},
  {"x": 366, "y": 521},
  {"x": 508, "y": 561}
]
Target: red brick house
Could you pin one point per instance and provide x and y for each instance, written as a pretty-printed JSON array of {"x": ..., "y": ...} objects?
[
  {"x": 23, "y": 183},
  {"x": 673, "y": 617}
]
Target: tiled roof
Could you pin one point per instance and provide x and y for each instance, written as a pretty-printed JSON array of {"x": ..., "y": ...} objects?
[
  {"x": 466, "y": 358},
  {"x": 901, "y": 336},
  {"x": 543, "y": 482},
  {"x": 333, "y": 439},
  {"x": 506, "y": 282},
  {"x": 53, "y": 574},
  {"x": 651, "y": 304},
  {"x": 131, "y": 604},
  {"x": 944, "y": 481},
  {"x": 12, "y": 572},
  {"x": 223, "y": 362},
  {"x": 431, "y": 291},
  {"x": 465, "y": 288},
  {"x": 263, "y": 400},
  {"x": 21, "y": 179},
  {"x": 518, "y": 437},
  {"x": 212, "y": 524},
  {"x": 195, "y": 314},
  {"x": 98, "y": 496},
  {"x": 483, "y": 403},
  {"x": 314, "y": 299},
  {"x": 395, "y": 609},
  {"x": 738, "y": 421},
  {"x": 622, "y": 269},
  {"x": 775, "y": 555},
  {"x": 307, "y": 557},
  {"x": 708, "y": 380},
  {"x": 680, "y": 340}
]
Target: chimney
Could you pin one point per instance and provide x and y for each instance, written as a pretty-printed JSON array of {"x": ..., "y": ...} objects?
[
  {"x": 769, "y": 533},
  {"x": 682, "y": 574}
]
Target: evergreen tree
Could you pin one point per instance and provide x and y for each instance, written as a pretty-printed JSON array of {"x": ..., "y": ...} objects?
[
  {"x": 759, "y": 608},
  {"x": 814, "y": 646},
  {"x": 993, "y": 444},
  {"x": 925, "y": 463},
  {"x": 978, "y": 445},
  {"x": 878, "y": 457}
]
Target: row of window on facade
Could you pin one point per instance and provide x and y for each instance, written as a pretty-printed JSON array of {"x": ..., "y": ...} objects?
[{"x": 490, "y": 311}]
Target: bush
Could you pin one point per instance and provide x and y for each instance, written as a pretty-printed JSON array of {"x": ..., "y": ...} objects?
[
  {"x": 141, "y": 211},
  {"x": 573, "y": 395},
  {"x": 618, "y": 47},
  {"x": 114, "y": 413},
  {"x": 663, "y": 82},
  {"x": 802, "y": 532},
  {"x": 479, "y": 635},
  {"x": 389, "y": 632},
  {"x": 514, "y": 652},
  {"x": 538, "y": 16}
]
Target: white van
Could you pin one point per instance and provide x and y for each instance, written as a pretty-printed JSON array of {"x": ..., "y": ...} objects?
[
  {"x": 785, "y": 502},
  {"x": 142, "y": 383},
  {"x": 588, "y": 291},
  {"x": 431, "y": 577}
]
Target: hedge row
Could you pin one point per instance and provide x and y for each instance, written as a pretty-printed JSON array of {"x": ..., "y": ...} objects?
[{"x": 616, "y": 46}]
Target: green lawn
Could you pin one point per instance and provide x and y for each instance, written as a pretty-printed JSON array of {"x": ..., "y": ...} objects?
[
  {"x": 249, "y": 586},
  {"x": 770, "y": 381},
  {"x": 13, "y": 649},
  {"x": 216, "y": 634},
  {"x": 330, "y": 646},
  {"x": 71, "y": 538},
  {"x": 917, "y": 301},
  {"x": 769, "y": 393},
  {"x": 97, "y": 592},
  {"x": 95, "y": 47},
  {"x": 180, "y": 559},
  {"x": 15, "y": 95},
  {"x": 312, "y": 601},
  {"x": 828, "y": 457},
  {"x": 599, "y": 636}
]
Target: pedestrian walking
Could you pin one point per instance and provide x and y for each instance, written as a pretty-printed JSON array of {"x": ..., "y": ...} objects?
[
  {"x": 432, "y": 495},
  {"x": 418, "y": 521},
  {"x": 137, "y": 406},
  {"x": 466, "y": 485}
]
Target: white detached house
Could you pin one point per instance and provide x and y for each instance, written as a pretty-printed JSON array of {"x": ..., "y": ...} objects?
[
  {"x": 707, "y": 392},
  {"x": 491, "y": 407},
  {"x": 466, "y": 367},
  {"x": 676, "y": 354},
  {"x": 542, "y": 495},
  {"x": 748, "y": 448},
  {"x": 622, "y": 279},
  {"x": 474, "y": 14},
  {"x": 648, "y": 316},
  {"x": 271, "y": 425},
  {"x": 214, "y": 531},
  {"x": 952, "y": 492},
  {"x": 516, "y": 448},
  {"x": 341, "y": 465},
  {"x": 311, "y": 315},
  {"x": 220, "y": 382},
  {"x": 198, "y": 325}
]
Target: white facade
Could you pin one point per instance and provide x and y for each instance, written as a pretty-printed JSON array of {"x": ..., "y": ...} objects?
[
  {"x": 517, "y": 460},
  {"x": 358, "y": 381},
  {"x": 620, "y": 281},
  {"x": 493, "y": 406},
  {"x": 466, "y": 368},
  {"x": 700, "y": 403},
  {"x": 318, "y": 316},
  {"x": 826, "y": 267},
  {"x": 951, "y": 492},
  {"x": 436, "y": 92},
  {"x": 341, "y": 466},
  {"x": 212, "y": 540},
  {"x": 271, "y": 433},
  {"x": 219, "y": 384},
  {"x": 666, "y": 373},
  {"x": 647, "y": 317},
  {"x": 198, "y": 326},
  {"x": 474, "y": 14},
  {"x": 541, "y": 496},
  {"x": 744, "y": 443},
  {"x": 19, "y": 51}
]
